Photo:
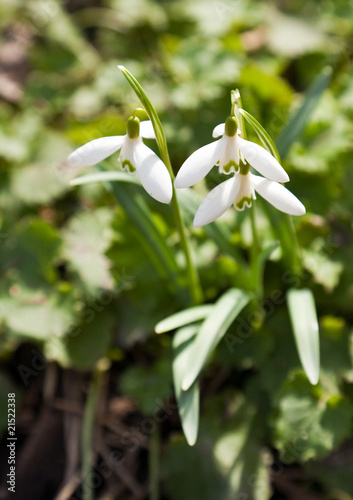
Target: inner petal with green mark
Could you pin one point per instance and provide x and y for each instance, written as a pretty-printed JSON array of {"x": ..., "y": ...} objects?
[
  {"x": 229, "y": 160},
  {"x": 244, "y": 202},
  {"x": 245, "y": 194},
  {"x": 227, "y": 169},
  {"x": 128, "y": 167}
]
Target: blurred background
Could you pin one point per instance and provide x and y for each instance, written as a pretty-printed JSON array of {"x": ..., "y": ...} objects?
[{"x": 79, "y": 283}]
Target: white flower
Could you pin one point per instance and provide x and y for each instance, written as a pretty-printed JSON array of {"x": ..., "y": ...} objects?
[
  {"x": 240, "y": 191},
  {"x": 134, "y": 156},
  {"x": 228, "y": 152}
]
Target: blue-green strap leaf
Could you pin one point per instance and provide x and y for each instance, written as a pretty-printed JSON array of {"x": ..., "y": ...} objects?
[
  {"x": 224, "y": 312},
  {"x": 302, "y": 312},
  {"x": 189, "y": 400},
  {"x": 183, "y": 318}
]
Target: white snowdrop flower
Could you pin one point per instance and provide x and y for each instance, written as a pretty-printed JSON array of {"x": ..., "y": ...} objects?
[
  {"x": 240, "y": 191},
  {"x": 135, "y": 156},
  {"x": 227, "y": 153}
]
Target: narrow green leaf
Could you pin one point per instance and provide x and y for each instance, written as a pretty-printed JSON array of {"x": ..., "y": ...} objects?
[
  {"x": 104, "y": 177},
  {"x": 183, "y": 318},
  {"x": 295, "y": 126},
  {"x": 261, "y": 132},
  {"x": 224, "y": 312},
  {"x": 302, "y": 312},
  {"x": 189, "y": 400}
]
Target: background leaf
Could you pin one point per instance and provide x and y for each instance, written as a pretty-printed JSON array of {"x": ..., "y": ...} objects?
[{"x": 302, "y": 311}]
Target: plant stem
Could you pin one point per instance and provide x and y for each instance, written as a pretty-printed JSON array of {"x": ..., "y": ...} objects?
[
  {"x": 255, "y": 244},
  {"x": 194, "y": 281},
  {"x": 193, "y": 277},
  {"x": 297, "y": 264},
  {"x": 88, "y": 429},
  {"x": 154, "y": 465}
]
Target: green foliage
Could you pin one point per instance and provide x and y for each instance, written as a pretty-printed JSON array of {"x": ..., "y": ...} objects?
[
  {"x": 156, "y": 385},
  {"x": 88, "y": 269},
  {"x": 310, "y": 422}
]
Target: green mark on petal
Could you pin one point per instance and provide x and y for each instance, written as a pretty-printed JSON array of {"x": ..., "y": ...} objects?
[
  {"x": 245, "y": 201},
  {"x": 227, "y": 168},
  {"x": 244, "y": 168},
  {"x": 128, "y": 166},
  {"x": 133, "y": 127}
]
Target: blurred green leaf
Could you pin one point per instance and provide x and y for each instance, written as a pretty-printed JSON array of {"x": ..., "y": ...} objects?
[
  {"x": 87, "y": 237},
  {"x": 295, "y": 126},
  {"x": 104, "y": 177},
  {"x": 32, "y": 252},
  {"x": 155, "y": 389},
  {"x": 325, "y": 271},
  {"x": 38, "y": 315},
  {"x": 309, "y": 423},
  {"x": 87, "y": 340}
]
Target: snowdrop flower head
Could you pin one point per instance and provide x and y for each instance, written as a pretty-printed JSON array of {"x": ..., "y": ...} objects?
[
  {"x": 135, "y": 156},
  {"x": 240, "y": 190},
  {"x": 227, "y": 153}
]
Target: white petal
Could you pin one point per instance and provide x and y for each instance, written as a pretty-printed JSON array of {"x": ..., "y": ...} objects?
[
  {"x": 262, "y": 161},
  {"x": 279, "y": 196},
  {"x": 218, "y": 130},
  {"x": 217, "y": 201},
  {"x": 229, "y": 161},
  {"x": 197, "y": 166},
  {"x": 97, "y": 150},
  {"x": 153, "y": 174},
  {"x": 245, "y": 194},
  {"x": 128, "y": 152},
  {"x": 147, "y": 130}
]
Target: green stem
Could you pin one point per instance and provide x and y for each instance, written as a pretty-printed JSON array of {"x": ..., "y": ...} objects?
[
  {"x": 255, "y": 249},
  {"x": 193, "y": 277},
  {"x": 88, "y": 429},
  {"x": 297, "y": 263},
  {"x": 194, "y": 282},
  {"x": 255, "y": 263},
  {"x": 154, "y": 465}
]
